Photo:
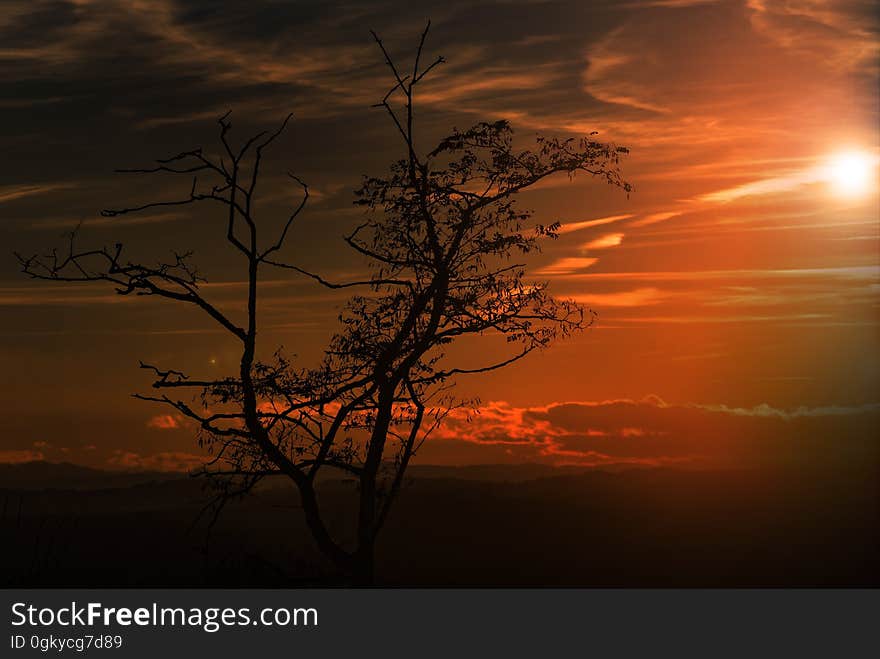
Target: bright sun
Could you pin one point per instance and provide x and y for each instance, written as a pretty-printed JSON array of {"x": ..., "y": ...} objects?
[{"x": 851, "y": 173}]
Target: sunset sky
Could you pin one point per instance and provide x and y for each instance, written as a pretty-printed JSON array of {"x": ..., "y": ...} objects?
[{"x": 737, "y": 286}]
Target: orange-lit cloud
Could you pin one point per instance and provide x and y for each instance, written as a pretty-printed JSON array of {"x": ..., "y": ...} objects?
[
  {"x": 823, "y": 172},
  {"x": 651, "y": 431},
  {"x": 567, "y": 265},
  {"x": 638, "y": 297},
  {"x": 164, "y": 422},
  {"x": 653, "y": 218},
  {"x": 569, "y": 227},
  {"x": 604, "y": 242},
  {"x": 16, "y": 456},
  {"x": 863, "y": 273}
]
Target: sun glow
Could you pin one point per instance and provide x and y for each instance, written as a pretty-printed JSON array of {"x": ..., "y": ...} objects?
[{"x": 851, "y": 173}]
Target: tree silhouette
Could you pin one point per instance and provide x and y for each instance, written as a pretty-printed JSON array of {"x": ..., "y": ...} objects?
[
  {"x": 444, "y": 238},
  {"x": 447, "y": 246},
  {"x": 231, "y": 414}
]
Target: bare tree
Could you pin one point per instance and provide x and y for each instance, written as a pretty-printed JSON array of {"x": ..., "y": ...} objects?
[
  {"x": 446, "y": 244},
  {"x": 234, "y": 420}
]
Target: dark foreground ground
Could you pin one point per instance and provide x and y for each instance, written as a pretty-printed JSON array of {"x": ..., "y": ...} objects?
[{"x": 492, "y": 526}]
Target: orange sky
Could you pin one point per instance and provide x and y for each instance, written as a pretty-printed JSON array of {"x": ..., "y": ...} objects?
[{"x": 737, "y": 287}]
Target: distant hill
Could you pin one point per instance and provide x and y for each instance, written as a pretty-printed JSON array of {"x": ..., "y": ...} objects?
[
  {"x": 499, "y": 473},
  {"x": 42, "y": 475}
]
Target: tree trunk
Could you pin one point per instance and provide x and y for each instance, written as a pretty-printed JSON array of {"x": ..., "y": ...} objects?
[
  {"x": 366, "y": 531},
  {"x": 363, "y": 572}
]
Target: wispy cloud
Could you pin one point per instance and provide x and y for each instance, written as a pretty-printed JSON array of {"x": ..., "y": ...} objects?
[
  {"x": 840, "y": 34},
  {"x": 638, "y": 297},
  {"x": 654, "y": 218},
  {"x": 857, "y": 272},
  {"x": 569, "y": 227},
  {"x": 605, "y": 241},
  {"x": 567, "y": 266},
  {"x": 652, "y": 431},
  {"x": 104, "y": 222},
  {"x": 603, "y": 78},
  {"x": 13, "y": 192}
]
